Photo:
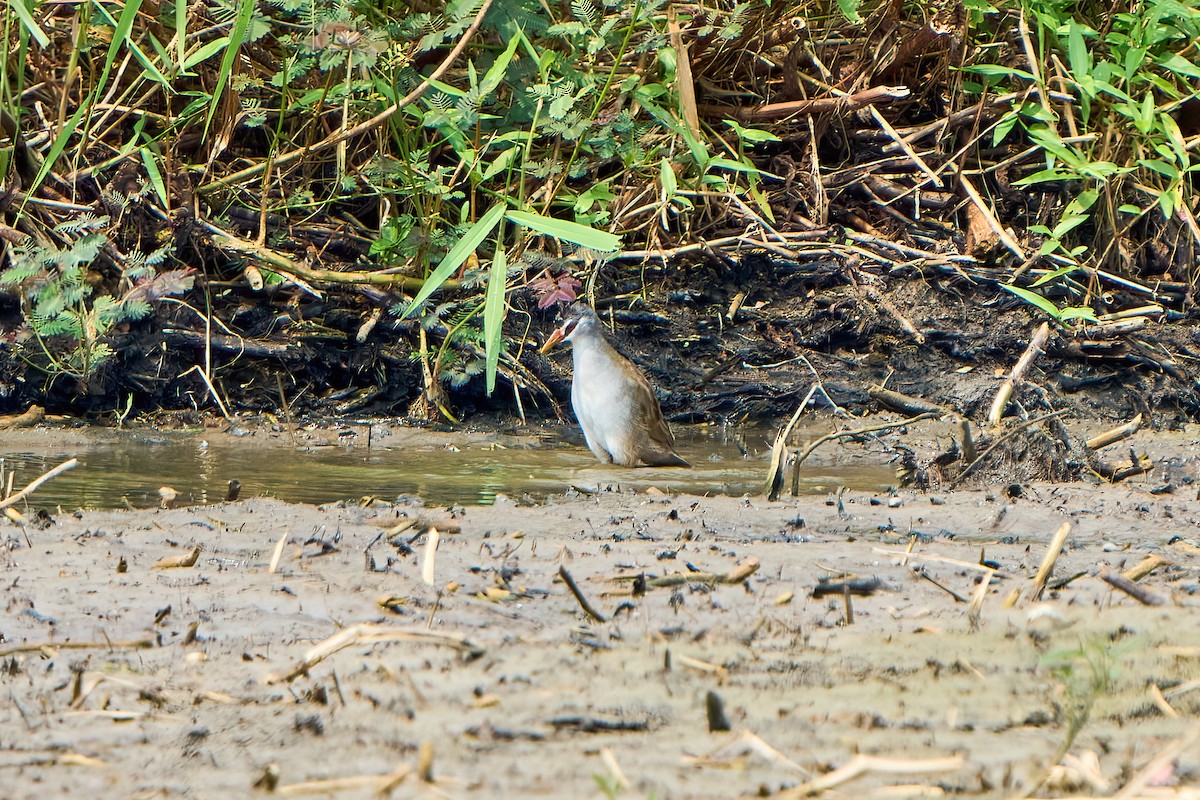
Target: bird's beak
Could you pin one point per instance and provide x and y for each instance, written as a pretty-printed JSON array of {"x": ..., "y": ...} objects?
[{"x": 557, "y": 336}]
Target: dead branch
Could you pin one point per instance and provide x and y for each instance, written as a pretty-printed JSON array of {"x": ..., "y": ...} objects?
[
  {"x": 278, "y": 262},
  {"x": 132, "y": 644},
  {"x": 861, "y": 765},
  {"x": 579, "y": 597},
  {"x": 1017, "y": 376},
  {"x": 1115, "y": 434},
  {"x": 808, "y": 451},
  {"x": 743, "y": 571},
  {"x": 32, "y": 417},
  {"x": 824, "y": 105},
  {"x": 1143, "y": 594},
  {"x": 903, "y": 403}
]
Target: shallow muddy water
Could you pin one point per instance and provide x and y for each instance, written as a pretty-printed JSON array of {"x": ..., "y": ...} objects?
[
  {"x": 303, "y": 643},
  {"x": 118, "y": 468}
]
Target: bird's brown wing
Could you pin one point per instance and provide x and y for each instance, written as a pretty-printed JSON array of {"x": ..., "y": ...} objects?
[{"x": 657, "y": 446}]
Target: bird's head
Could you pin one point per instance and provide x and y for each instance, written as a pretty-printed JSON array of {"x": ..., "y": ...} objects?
[{"x": 577, "y": 319}]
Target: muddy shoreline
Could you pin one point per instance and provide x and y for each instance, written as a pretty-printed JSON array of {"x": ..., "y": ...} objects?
[{"x": 553, "y": 702}]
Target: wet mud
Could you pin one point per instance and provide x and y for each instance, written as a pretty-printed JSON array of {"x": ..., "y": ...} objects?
[{"x": 127, "y": 676}]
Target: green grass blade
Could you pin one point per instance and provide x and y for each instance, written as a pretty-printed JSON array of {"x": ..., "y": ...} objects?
[
  {"x": 458, "y": 254},
  {"x": 155, "y": 174},
  {"x": 60, "y": 143},
  {"x": 494, "y": 310},
  {"x": 26, "y": 16},
  {"x": 180, "y": 32},
  {"x": 120, "y": 34},
  {"x": 241, "y": 25},
  {"x": 496, "y": 73},
  {"x": 582, "y": 235},
  {"x": 152, "y": 71}
]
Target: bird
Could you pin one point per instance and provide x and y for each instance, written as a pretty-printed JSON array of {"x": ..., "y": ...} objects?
[{"x": 620, "y": 416}]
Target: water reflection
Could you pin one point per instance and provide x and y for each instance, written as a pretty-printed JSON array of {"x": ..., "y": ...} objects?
[{"x": 132, "y": 468}]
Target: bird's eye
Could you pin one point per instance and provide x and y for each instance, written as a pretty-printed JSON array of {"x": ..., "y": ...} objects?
[{"x": 569, "y": 326}]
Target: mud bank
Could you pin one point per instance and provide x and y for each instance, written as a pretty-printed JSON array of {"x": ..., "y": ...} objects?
[{"x": 128, "y": 680}]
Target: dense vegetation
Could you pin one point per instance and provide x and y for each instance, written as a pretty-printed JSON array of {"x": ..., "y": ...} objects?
[{"x": 191, "y": 190}]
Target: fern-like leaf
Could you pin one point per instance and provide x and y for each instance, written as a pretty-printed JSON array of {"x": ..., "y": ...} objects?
[
  {"x": 57, "y": 325},
  {"x": 81, "y": 224},
  {"x": 586, "y": 12},
  {"x": 134, "y": 309}
]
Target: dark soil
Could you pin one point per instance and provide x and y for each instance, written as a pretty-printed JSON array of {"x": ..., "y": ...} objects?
[{"x": 946, "y": 340}]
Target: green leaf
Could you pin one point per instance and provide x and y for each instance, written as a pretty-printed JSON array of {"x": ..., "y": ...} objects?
[
  {"x": 447, "y": 89},
  {"x": 1101, "y": 170},
  {"x": 1045, "y": 176},
  {"x": 458, "y": 255},
  {"x": 494, "y": 310},
  {"x": 155, "y": 175},
  {"x": 1161, "y": 167},
  {"x": 752, "y": 135},
  {"x": 1077, "y": 312},
  {"x": 1056, "y": 274},
  {"x": 1003, "y": 128},
  {"x": 1166, "y": 201},
  {"x": 1082, "y": 202},
  {"x": 1068, "y": 224},
  {"x": 734, "y": 166},
  {"x": 502, "y": 162},
  {"x": 1077, "y": 52},
  {"x": 1145, "y": 118},
  {"x": 698, "y": 149},
  {"x": 849, "y": 9},
  {"x": 1033, "y": 298},
  {"x": 666, "y": 176},
  {"x": 495, "y": 74},
  {"x": 1112, "y": 91},
  {"x": 1171, "y": 128},
  {"x": 1048, "y": 247},
  {"x": 997, "y": 71},
  {"x": 206, "y": 52},
  {"x": 1179, "y": 65},
  {"x": 582, "y": 235},
  {"x": 1052, "y": 143},
  {"x": 599, "y": 195}
]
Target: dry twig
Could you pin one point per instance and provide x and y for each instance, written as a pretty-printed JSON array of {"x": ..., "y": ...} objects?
[
  {"x": 861, "y": 765},
  {"x": 372, "y": 634},
  {"x": 1036, "y": 345},
  {"x": 579, "y": 597},
  {"x": 1048, "y": 561}
]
